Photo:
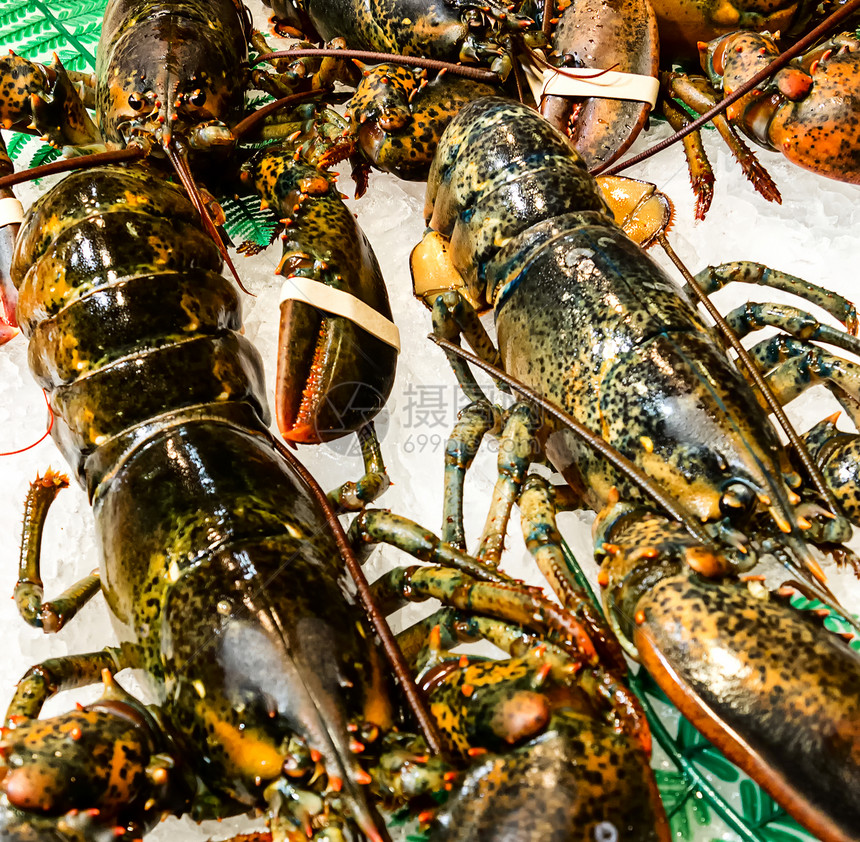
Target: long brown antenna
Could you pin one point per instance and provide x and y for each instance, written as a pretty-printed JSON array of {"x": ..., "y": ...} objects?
[
  {"x": 250, "y": 122},
  {"x": 131, "y": 153},
  {"x": 779, "y": 62},
  {"x": 184, "y": 173},
  {"x": 389, "y": 644},
  {"x": 469, "y": 72},
  {"x": 595, "y": 442}
]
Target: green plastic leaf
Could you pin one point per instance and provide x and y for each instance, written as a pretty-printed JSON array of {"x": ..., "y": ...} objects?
[
  {"x": 44, "y": 155},
  {"x": 651, "y": 687},
  {"x": 758, "y": 807},
  {"x": 786, "y": 830},
  {"x": 711, "y": 759},
  {"x": 16, "y": 144},
  {"x": 247, "y": 222}
]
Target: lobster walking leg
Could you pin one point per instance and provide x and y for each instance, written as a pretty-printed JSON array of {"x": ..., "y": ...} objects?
[
  {"x": 48, "y": 616},
  {"x": 516, "y": 453},
  {"x": 59, "y": 674},
  {"x": 475, "y": 421},
  {"x": 352, "y": 496},
  {"x": 714, "y": 278}
]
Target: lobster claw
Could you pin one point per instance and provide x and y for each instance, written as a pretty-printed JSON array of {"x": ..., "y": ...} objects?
[
  {"x": 88, "y": 775},
  {"x": 332, "y": 376},
  {"x": 334, "y": 371},
  {"x": 549, "y": 788},
  {"x": 768, "y": 684},
  {"x": 398, "y": 116}
]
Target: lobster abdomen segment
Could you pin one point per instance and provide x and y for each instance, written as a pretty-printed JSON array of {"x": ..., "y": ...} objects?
[{"x": 127, "y": 314}]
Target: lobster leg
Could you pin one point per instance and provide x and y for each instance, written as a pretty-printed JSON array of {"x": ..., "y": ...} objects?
[
  {"x": 754, "y": 315},
  {"x": 748, "y": 272},
  {"x": 701, "y": 173},
  {"x": 454, "y": 317},
  {"x": 516, "y": 452},
  {"x": 544, "y": 542},
  {"x": 48, "y": 616},
  {"x": 838, "y": 455},
  {"x": 475, "y": 421},
  {"x": 55, "y": 675},
  {"x": 695, "y": 92},
  {"x": 354, "y": 496},
  {"x": 468, "y": 589},
  {"x": 793, "y": 365}
]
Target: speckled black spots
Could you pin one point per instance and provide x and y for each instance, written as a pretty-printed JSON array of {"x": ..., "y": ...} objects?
[
  {"x": 399, "y": 123},
  {"x": 770, "y": 673},
  {"x": 451, "y": 30},
  {"x": 496, "y": 799}
]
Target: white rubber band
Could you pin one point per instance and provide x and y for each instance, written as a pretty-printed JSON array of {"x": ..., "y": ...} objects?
[
  {"x": 11, "y": 211},
  {"x": 341, "y": 303},
  {"x": 609, "y": 84}
]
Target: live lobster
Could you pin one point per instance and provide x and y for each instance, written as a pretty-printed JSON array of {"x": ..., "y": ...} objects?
[
  {"x": 226, "y": 584},
  {"x": 397, "y": 117},
  {"x": 629, "y": 358}
]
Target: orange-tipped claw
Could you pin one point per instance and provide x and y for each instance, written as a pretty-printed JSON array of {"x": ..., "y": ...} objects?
[{"x": 332, "y": 376}]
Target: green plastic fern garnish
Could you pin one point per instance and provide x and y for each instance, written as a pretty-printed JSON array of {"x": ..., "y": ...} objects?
[{"x": 247, "y": 222}]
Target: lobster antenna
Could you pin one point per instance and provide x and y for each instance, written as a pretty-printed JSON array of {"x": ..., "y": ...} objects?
[
  {"x": 181, "y": 167},
  {"x": 598, "y": 444},
  {"x": 774, "y": 405},
  {"x": 42, "y": 437},
  {"x": 777, "y": 64},
  {"x": 476, "y": 73},
  {"x": 389, "y": 644},
  {"x": 131, "y": 153},
  {"x": 250, "y": 122},
  {"x": 812, "y": 586},
  {"x": 546, "y": 20}
]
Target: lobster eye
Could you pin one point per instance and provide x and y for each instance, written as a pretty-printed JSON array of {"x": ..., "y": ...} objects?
[
  {"x": 738, "y": 502},
  {"x": 135, "y": 102},
  {"x": 197, "y": 98}
]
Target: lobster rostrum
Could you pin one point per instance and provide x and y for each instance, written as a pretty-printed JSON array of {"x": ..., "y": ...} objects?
[{"x": 628, "y": 357}]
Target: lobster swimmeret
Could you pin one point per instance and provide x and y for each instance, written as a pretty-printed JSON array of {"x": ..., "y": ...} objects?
[{"x": 629, "y": 357}]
